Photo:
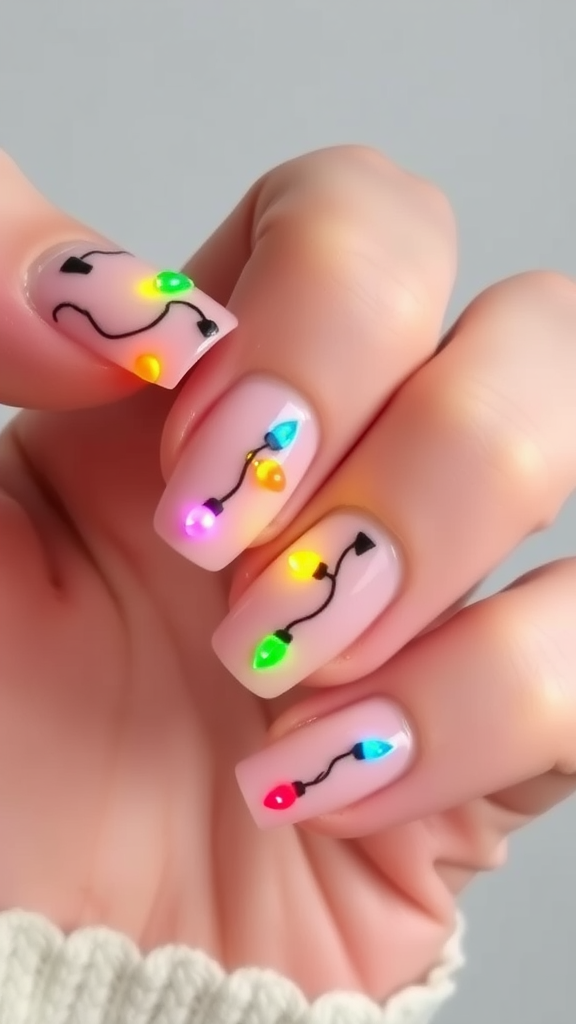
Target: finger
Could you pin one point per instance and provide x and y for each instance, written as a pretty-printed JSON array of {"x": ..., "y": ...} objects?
[
  {"x": 342, "y": 297},
  {"x": 485, "y": 702},
  {"x": 476, "y": 451},
  {"x": 77, "y": 312}
]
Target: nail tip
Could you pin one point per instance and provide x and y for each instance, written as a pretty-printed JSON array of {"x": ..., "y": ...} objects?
[
  {"x": 344, "y": 758},
  {"x": 111, "y": 302}
]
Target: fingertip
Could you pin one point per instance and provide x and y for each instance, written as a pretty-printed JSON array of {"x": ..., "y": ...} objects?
[{"x": 84, "y": 321}]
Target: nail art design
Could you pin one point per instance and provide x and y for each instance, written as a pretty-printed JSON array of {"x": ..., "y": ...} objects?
[
  {"x": 285, "y": 794},
  {"x": 167, "y": 282},
  {"x": 268, "y": 473},
  {"x": 249, "y": 454},
  {"x": 284, "y": 627},
  {"x": 143, "y": 320},
  {"x": 359, "y": 749},
  {"x": 306, "y": 564}
]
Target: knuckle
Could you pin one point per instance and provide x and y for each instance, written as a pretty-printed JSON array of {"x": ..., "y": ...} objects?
[
  {"x": 364, "y": 232},
  {"x": 394, "y": 299},
  {"x": 376, "y": 293},
  {"x": 540, "y": 693},
  {"x": 435, "y": 207},
  {"x": 537, "y": 303},
  {"x": 509, "y": 449},
  {"x": 548, "y": 286},
  {"x": 364, "y": 155},
  {"x": 426, "y": 198},
  {"x": 513, "y": 414},
  {"x": 423, "y": 211},
  {"x": 487, "y": 427}
]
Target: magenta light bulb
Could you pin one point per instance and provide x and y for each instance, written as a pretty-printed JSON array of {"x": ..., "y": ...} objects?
[{"x": 199, "y": 522}]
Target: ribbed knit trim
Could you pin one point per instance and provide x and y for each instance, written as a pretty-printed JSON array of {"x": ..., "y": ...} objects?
[{"x": 97, "y": 976}]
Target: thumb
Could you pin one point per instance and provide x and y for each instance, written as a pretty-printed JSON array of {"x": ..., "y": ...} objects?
[{"x": 83, "y": 322}]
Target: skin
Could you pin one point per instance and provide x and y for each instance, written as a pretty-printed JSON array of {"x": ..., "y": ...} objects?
[{"x": 119, "y": 729}]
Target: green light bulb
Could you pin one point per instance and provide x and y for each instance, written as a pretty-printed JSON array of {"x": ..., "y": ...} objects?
[
  {"x": 271, "y": 650},
  {"x": 170, "y": 282}
]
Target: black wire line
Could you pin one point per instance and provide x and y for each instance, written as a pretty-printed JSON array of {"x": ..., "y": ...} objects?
[{"x": 332, "y": 577}]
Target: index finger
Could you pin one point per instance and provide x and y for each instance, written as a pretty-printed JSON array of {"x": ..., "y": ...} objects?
[{"x": 77, "y": 311}]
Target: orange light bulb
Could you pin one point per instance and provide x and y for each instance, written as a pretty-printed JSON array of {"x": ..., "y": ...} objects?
[
  {"x": 269, "y": 474},
  {"x": 148, "y": 368}
]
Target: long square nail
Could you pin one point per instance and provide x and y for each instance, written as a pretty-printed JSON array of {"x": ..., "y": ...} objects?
[
  {"x": 156, "y": 324},
  {"x": 237, "y": 470},
  {"x": 327, "y": 765},
  {"x": 310, "y": 603}
]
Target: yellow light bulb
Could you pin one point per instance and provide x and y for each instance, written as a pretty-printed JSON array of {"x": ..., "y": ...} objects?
[
  {"x": 303, "y": 564},
  {"x": 147, "y": 289},
  {"x": 147, "y": 367},
  {"x": 270, "y": 474}
]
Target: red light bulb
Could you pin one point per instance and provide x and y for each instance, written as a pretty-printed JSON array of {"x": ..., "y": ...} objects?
[{"x": 281, "y": 797}]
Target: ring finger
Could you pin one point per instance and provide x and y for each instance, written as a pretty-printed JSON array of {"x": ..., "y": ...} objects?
[{"x": 486, "y": 704}]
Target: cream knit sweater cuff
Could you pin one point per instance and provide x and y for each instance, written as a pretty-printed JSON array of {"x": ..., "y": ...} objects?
[{"x": 97, "y": 976}]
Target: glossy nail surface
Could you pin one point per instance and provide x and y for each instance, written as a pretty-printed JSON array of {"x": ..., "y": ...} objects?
[
  {"x": 310, "y": 604},
  {"x": 327, "y": 765},
  {"x": 156, "y": 324},
  {"x": 236, "y": 472}
]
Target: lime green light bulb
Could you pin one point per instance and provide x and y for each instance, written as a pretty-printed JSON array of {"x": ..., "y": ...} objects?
[
  {"x": 271, "y": 650},
  {"x": 170, "y": 282}
]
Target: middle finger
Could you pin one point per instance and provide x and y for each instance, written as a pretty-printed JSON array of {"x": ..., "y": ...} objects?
[
  {"x": 476, "y": 451},
  {"x": 341, "y": 299}
]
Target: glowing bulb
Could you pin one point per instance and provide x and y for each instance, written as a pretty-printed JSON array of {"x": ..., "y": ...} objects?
[
  {"x": 281, "y": 435},
  {"x": 170, "y": 282},
  {"x": 148, "y": 368},
  {"x": 147, "y": 289},
  {"x": 199, "y": 521},
  {"x": 272, "y": 649},
  {"x": 281, "y": 797},
  {"x": 304, "y": 564},
  {"x": 371, "y": 750},
  {"x": 270, "y": 474}
]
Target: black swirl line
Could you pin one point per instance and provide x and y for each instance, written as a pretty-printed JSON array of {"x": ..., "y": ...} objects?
[
  {"x": 361, "y": 543},
  {"x": 247, "y": 463},
  {"x": 332, "y": 576},
  {"x": 208, "y": 328},
  {"x": 324, "y": 774},
  {"x": 106, "y": 252},
  {"x": 357, "y": 752}
]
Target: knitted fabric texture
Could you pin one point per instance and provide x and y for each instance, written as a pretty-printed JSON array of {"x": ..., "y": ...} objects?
[{"x": 97, "y": 976}]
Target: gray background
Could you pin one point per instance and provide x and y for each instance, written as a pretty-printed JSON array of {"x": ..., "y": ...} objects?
[{"x": 148, "y": 118}]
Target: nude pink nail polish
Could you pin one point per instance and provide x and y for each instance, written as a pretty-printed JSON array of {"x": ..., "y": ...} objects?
[
  {"x": 327, "y": 765},
  {"x": 156, "y": 324},
  {"x": 238, "y": 469},
  {"x": 310, "y": 603}
]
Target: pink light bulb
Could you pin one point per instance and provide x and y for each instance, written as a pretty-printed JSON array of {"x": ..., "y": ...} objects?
[{"x": 199, "y": 522}]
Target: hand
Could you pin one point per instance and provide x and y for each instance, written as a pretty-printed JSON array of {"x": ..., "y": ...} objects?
[{"x": 120, "y": 728}]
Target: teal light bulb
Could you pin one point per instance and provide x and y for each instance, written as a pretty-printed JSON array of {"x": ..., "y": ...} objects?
[
  {"x": 281, "y": 435},
  {"x": 374, "y": 749}
]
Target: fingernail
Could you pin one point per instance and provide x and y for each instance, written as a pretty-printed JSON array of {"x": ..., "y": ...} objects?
[
  {"x": 309, "y": 604},
  {"x": 327, "y": 765},
  {"x": 237, "y": 471},
  {"x": 156, "y": 324}
]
